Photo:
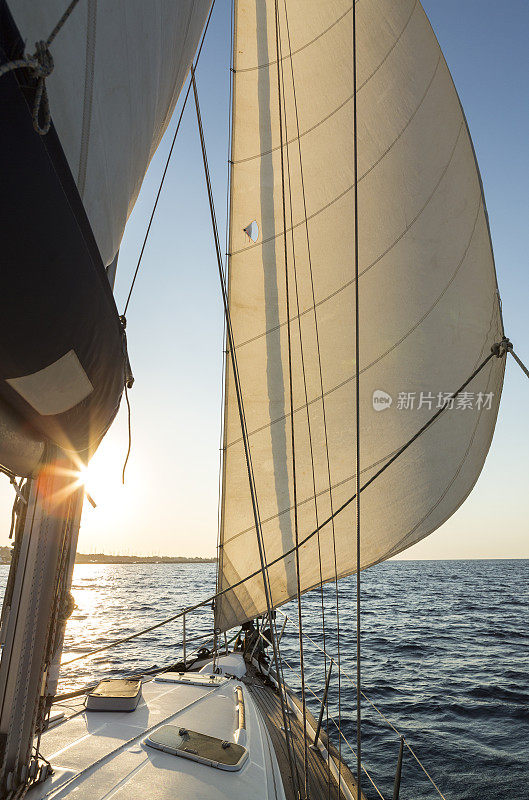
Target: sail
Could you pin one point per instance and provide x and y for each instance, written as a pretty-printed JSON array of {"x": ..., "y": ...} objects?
[
  {"x": 429, "y": 307},
  {"x": 118, "y": 68}
]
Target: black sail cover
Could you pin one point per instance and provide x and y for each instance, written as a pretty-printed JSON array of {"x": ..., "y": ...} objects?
[{"x": 62, "y": 347}]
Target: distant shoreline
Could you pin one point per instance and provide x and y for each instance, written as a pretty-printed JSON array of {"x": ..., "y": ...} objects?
[{"x": 103, "y": 558}]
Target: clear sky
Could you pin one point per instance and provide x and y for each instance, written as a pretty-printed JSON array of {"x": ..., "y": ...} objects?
[{"x": 169, "y": 503}]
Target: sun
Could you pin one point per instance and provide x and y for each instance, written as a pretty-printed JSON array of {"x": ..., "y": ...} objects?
[{"x": 102, "y": 476}]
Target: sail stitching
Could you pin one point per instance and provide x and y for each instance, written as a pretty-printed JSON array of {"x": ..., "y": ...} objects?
[
  {"x": 372, "y": 264},
  {"x": 340, "y": 483},
  {"x": 351, "y": 186},
  {"x": 323, "y": 33},
  {"x": 388, "y": 351},
  {"x": 303, "y": 47},
  {"x": 91, "y": 12},
  {"x": 340, "y": 107},
  {"x": 402, "y": 544},
  {"x": 348, "y": 502}
]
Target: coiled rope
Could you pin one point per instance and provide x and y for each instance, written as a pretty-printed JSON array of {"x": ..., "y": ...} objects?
[{"x": 40, "y": 65}]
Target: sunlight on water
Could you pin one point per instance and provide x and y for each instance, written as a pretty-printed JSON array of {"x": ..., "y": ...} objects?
[{"x": 445, "y": 649}]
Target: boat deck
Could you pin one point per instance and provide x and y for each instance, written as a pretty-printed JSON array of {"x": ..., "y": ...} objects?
[
  {"x": 97, "y": 754},
  {"x": 320, "y": 777}
]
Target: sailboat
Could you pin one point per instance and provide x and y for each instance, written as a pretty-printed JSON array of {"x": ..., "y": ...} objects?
[{"x": 365, "y": 357}]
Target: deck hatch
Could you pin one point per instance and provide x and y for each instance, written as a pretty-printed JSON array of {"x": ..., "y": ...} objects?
[
  {"x": 192, "y": 678},
  {"x": 198, "y": 747},
  {"x": 115, "y": 694}
]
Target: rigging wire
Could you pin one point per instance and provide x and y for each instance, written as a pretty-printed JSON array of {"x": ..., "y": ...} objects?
[
  {"x": 151, "y": 218},
  {"x": 251, "y": 479},
  {"x": 357, "y": 418},
  {"x": 258, "y": 572},
  {"x": 222, "y": 442},
  {"x": 324, "y": 415},
  {"x": 518, "y": 360},
  {"x": 177, "y": 129},
  {"x": 379, "y": 472},
  {"x": 291, "y": 394}
]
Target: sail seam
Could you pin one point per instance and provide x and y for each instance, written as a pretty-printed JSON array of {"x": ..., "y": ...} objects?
[
  {"x": 402, "y": 544},
  {"x": 342, "y": 195},
  {"x": 382, "y": 355},
  {"x": 363, "y": 471},
  {"x": 88, "y": 93},
  {"x": 303, "y": 47},
  {"x": 338, "y": 108},
  {"x": 392, "y": 459},
  {"x": 323, "y": 33},
  {"x": 363, "y": 272}
]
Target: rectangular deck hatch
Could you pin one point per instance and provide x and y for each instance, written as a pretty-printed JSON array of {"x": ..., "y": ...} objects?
[
  {"x": 198, "y": 747},
  {"x": 115, "y": 694},
  {"x": 192, "y": 678}
]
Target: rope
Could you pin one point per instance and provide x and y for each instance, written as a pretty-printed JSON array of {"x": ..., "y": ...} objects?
[
  {"x": 222, "y": 442},
  {"x": 392, "y": 726},
  {"x": 41, "y": 65},
  {"x": 338, "y": 728},
  {"x": 357, "y": 419},
  {"x": 324, "y": 414},
  {"x": 129, "y": 428},
  {"x": 282, "y": 110}
]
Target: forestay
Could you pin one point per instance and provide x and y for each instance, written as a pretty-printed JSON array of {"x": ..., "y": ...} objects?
[{"x": 429, "y": 306}]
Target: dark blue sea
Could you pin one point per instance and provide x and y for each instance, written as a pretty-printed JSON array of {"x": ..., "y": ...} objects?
[{"x": 445, "y": 657}]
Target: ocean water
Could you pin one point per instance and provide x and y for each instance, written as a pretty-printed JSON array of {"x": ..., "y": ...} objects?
[{"x": 445, "y": 657}]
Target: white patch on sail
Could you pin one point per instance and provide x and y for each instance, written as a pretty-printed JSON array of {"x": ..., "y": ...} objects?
[{"x": 56, "y": 388}]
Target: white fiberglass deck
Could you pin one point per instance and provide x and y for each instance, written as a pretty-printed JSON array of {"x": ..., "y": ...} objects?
[{"x": 98, "y": 755}]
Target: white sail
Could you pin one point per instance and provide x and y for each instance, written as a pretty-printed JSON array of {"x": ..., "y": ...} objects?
[
  {"x": 429, "y": 307},
  {"x": 119, "y": 68}
]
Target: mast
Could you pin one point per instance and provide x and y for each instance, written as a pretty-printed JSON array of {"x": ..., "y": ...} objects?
[
  {"x": 36, "y": 607},
  {"x": 63, "y": 355}
]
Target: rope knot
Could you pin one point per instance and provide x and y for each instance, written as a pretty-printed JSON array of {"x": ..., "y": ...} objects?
[
  {"x": 41, "y": 66},
  {"x": 501, "y": 349},
  {"x": 42, "y": 61}
]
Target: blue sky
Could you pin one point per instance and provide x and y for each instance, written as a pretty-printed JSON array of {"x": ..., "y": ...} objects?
[{"x": 169, "y": 504}]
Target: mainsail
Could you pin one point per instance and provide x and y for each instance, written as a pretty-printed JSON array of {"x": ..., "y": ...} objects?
[
  {"x": 429, "y": 307},
  {"x": 119, "y": 68},
  {"x": 113, "y": 72}
]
